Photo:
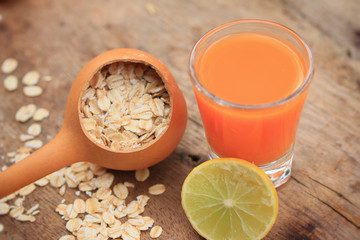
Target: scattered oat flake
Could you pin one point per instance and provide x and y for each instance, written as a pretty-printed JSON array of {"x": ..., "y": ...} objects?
[
  {"x": 32, "y": 209},
  {"x": 36, "y": 212},
  {"x": 11, "y": 154},
  {"x": 73, "y": 224},
  {"x": 47, "y": 78},
  {"x": 41, "y": 114},
  {"x": 62, "y": 190},
  {"x": 1, "y": 227},
  {"x": 25, "y": 137},
  {"x": 115, "y": 231},
  {"x": 24, "y": 149},
  {"x": 151, "y": 9},
  {"x": 4, "y": 208},
  {"x": 103, "y": 193},
  {"x": 18, "y": 202},
  {"x": 61, "y": 209},
  {"x": 32, "y": 91},
  {"x": 155, "y": 232},
  {"x": 104, "y": 180},
  {"x": 92, "y": 205},
  {"x": 11, "y": 83},
  {"x": 34, "y": 129},
  {"x": 85, "y": 233},
  {"x": 25, "y": 113},
  {"x": 9, "y": 65},
  {"x": 42, "y": 182},
  {"x": 57, "y": 180},
  {"x": 129, "y": 184},
  {"x": 26, "y": 218},
  {"x": 142, "y": 174},
  {"x": 35, "y": 144},
  {"x": 67, "y": 237},
  {"x": 31, "y": 78},
  {"x": 16, "y": 211},
  {"x": 8, "y": 197},
  {"x": 157, "y": 189},
  {"x": 121, "y": 191},
  {"x": 70, "y": 212},
  {"x": 27, "y": 190},
  {"x": 79, "y": 205}
]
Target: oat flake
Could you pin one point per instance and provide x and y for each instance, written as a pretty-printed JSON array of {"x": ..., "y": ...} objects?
[
  {"x": 11, "y": 83},
  {"x": 9, "y": 65}
]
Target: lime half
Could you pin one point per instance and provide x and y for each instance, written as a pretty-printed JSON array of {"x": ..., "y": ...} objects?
[{"x": 229, "y": 199}]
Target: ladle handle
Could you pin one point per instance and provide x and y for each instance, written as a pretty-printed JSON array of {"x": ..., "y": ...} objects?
[{"x": 58, "y": 153}]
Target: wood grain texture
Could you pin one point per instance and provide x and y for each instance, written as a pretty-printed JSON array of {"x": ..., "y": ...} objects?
[{"x": 57, "y": 38}]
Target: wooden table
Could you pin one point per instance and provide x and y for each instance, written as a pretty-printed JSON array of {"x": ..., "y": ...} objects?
[{"x": 57, "y": 38}]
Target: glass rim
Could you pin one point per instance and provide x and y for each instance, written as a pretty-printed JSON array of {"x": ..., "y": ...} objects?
[{"x": 201, "y": 88}]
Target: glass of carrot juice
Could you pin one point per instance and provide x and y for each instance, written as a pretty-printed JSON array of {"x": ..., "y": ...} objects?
[{"x": 251, "y": 79}]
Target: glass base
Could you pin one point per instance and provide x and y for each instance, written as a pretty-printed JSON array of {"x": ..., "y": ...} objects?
[{"x": 279, "y": 171}]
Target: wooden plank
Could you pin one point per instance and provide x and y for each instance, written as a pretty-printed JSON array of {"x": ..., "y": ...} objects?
[{"x": 57, "y": 38}]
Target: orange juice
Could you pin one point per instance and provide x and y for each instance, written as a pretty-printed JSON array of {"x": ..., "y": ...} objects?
[{"x": 251, "y": 69}]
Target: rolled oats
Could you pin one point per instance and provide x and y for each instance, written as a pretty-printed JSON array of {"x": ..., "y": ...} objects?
[
  {"x": 11, "y": 83},
  {"x": 92, "y": 205},
  {"x": 25, "y": 113},
  {"x": 32, "y": 91},
  {"x": 124, "y": 104},
  {"x": 79, "y": 205},
  {"x": 32, "y": 209},
  {"x": 121, "y": 191},
  {"x": 103, "y": 193},
  {"x": 62, "y": 190},
  {"x": 34, "y": 129},
  {"x": 85, "y": 233},
  {"x": 9, "y": 65},
  {"x": 4, "y": 208},
  {"x": 93, "y": 218},
  {"x": 61, "y": 209},
  {"x": 70, "y": 212},
  {"x": 25, "y": 137},
  {"x": 129, "y": 184},
  {"x": 16, "y": 211},
  {"x": 108, "y": 217},
  {"x": 67, "y": 237},
  {"x": 57, "y": 179},
  {"x": 47, "y": 78},
  {"x": 155, "y": 232},
  {"x": 31, "y": 78},
  {"x": 25, "y": 218},
  {"x": 18, "y": 202},
  {"x": 27, "y": 190},
  {"x": 157, "y": 189},
  {"x": 1, "y": 227},
  {"x": 104, "y": 180},
  {"x": 42, "y": 182},
  {"x": 73, "y": 225},
  {"x": 142, "y": 174},
  {"x": 35, "y": 144},
  {"x": 36, "y": 212},
  {"x": 41, "y": 114}
]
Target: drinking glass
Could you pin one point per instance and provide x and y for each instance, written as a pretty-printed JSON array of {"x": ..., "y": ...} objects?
[{"x": 260, "y": 133}]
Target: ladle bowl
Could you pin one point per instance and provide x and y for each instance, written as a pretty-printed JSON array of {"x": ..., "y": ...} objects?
[{"x": 73, "y": 144}]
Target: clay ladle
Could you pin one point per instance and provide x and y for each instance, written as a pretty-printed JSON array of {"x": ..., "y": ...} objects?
[{"x": 73, "y": 144}]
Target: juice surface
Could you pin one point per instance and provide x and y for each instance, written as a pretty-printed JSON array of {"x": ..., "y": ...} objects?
[{"x": 251, "y": 69}]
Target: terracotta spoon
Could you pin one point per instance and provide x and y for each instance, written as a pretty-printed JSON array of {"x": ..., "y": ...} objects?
[{"x": 73, "y": 144}]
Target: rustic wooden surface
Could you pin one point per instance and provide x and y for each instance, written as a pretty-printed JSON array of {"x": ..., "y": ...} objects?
[{"x": 57, "y": 38}]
